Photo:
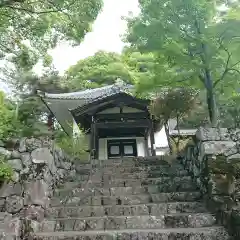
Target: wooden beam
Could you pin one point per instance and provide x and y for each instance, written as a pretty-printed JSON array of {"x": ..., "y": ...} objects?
[
  {"x": 126, "y": 116},
  {"x": 125, "y": 98},
  {"x": 138, "y": 123}
]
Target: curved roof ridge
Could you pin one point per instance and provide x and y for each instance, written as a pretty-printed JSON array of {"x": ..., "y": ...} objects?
[{"x": 90, "y": 93}]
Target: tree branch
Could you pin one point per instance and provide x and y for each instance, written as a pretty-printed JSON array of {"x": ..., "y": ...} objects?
[{"x": 227, "y": 68}]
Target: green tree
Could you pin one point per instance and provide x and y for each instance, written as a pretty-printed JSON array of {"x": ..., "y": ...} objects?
[
  {"x": 105, "y": 67},
  {"x": 195, "y": 43},
  {"x": 31, "y": 111},
  {"x": 9, "y": 124},
  {"x": 230, "y": 110},
  {"x": 44, "y": 23},
  {"x": 173, "y": 104}
]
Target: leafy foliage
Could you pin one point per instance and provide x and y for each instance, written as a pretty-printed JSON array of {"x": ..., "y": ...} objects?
[
  {"x": 44, "y": 23},
  {"x": 195, "y": 45},
  {"x": 9, "y": 124},
  {"x": 173, "y": 104},
  {"x": 6, "y": 172},
  {"x": 75, "y": 147},
  {"x": 105, "y": 67},
  {"x": 230, "y": 110}
]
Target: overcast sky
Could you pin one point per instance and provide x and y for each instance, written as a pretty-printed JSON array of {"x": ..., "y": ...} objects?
[{"x": 105, "y": 35}]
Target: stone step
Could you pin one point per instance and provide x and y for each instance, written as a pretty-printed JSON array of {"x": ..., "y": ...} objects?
[
  {"x": 148, "y": 186},
  {"x": 159, "y": 160},
  {"x": 127, "y": 182},
  {"x": 85, "y": 169},
  {"x": 97, "y": 177},
  {"x": 126, "y": 200},
  {"x": 131, "y": 210},
  {"x": 129, "y": 222},
  {"x": 207, "y": 233},
  {"x": 127, "y": 168}
]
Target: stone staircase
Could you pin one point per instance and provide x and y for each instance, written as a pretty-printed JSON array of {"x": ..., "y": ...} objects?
[{"x": 129, "y": 200}]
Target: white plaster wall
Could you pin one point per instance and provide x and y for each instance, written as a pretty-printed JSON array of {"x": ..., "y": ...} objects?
[
  {"x": 160, "y": 139},
  {"x": 76, "y": 130},
  {"x": 160, "y": 142},
  {"x": 131, "y": 110},
  {"x": 110, "y": 110},
  {"x": 102, "y": 153}
]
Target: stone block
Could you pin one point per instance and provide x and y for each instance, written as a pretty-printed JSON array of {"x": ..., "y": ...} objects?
[
  {"x": 220, "y": 184},
  {"x": 212, "y": 134},
  {"x": 218, "y": 147},
  {"x": 96, "y": 211},
  {"x": 13, "y": 226},
  {"x": 14, "y": 204},
  {"x": 76, "y": 212},
  {"x": 143, "y": 222},
  {"x": 97, "y": 201},
  {"x": 93, "y": 224},
  {"x": 11, "y": 188},
  {"x": 48, "y": 226},
  {"x": 139, "y": 210},
  {"x": 115, "y": 223},
  {"x": 158, "y": 209},
  {"x": 121, "y": 191},
  {"x": 201, "y": 220},
  {"x": 35, "y": 213},
  {"x": 115, "y": 210},
  {"x": 16, "y": 164},
  {"x": 5, "y": 153},
  {"x": 44, "y": 156},
  {"x": 37, "y": 193},
  {"x": 135, "y": 199}
]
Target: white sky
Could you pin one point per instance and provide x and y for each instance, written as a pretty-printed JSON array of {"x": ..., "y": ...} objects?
[{"x": 106, "y": 35}]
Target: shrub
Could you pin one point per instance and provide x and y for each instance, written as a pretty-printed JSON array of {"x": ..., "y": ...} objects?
[
  {"x": 75, "y": 147},
  {"x": 9, "y": 125},
  {"x": 6, "y": 171}
]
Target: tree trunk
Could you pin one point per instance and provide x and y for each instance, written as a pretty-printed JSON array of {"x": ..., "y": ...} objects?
[
  {"x": 211, "y": 99},
  {"x": 212, "y": 107},
  {"x": 178, "y": 140},
  {"x": 168, "y": 137},
  {"x": 50, "y": 122}
]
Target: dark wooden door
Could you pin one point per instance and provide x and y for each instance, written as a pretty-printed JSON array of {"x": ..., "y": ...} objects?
[{"x": 122, "y": 148}]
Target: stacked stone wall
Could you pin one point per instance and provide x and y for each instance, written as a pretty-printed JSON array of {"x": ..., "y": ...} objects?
[
  {"x": 38, "y": 167},
  {"x": 213, "y": 159}
]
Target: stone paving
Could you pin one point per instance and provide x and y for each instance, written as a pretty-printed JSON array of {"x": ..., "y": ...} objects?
[{"x": 130, "y": 199}]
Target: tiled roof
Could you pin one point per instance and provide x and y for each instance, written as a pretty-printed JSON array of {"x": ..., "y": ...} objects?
[{"x": 92, "y": 94}]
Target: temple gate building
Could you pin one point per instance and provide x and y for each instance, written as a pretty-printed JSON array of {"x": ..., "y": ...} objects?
[{"x": 116, "y": 123}]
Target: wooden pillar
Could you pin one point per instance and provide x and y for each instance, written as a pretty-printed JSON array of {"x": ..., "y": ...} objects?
[
  {"x": 92, "y": 141},
  {"x": 152, "y": 139},
  {"x": 146, "y": 142},
  {"x": 96, "y": 140}
]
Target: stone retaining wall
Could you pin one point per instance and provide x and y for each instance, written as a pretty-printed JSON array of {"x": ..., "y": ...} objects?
[
  {"x": 38, "y": 167},
  {"x": 213, "y": 159}
]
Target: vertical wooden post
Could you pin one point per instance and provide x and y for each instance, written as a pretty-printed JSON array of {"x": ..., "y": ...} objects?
[
  {"x": 146, "y": 142},
  {"x": 92, "y": 141},
  {"x": 96, "y": 140},
  {"x": 152, "y": 139}
]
